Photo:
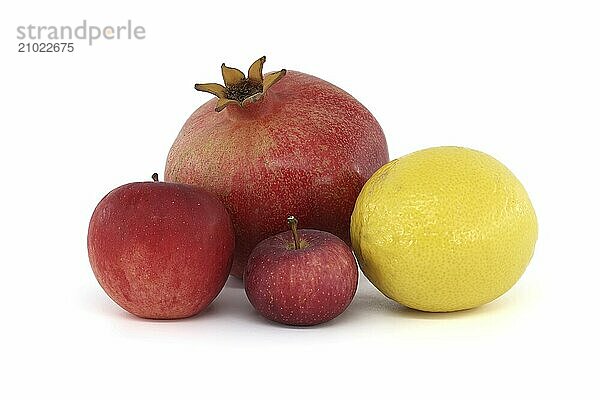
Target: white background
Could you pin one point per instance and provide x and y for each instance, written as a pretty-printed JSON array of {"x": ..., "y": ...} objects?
[{"x": 519, "y": 80}]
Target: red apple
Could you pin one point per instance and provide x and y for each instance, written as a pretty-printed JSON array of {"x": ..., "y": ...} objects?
[
  {"x": 161, "y": 250},
  {"x": 302, "y": 277},
  {"x": 279, "y": 130}
]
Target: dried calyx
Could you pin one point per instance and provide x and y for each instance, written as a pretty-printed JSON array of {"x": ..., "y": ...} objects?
[{"x": 239, "y": 89}]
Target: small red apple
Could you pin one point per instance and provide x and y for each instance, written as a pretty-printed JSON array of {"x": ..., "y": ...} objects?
[
  {"x": 302, "y": 277},
  {"x": 161, "y": 250}
]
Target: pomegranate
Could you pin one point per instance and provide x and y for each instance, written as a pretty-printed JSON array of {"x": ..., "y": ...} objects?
[{"x": 269, "y": 146}]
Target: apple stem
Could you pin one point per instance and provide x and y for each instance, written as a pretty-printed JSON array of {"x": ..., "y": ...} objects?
[
  {"x": 293, "y": 224},
  {"x": 155, "y": 177}
]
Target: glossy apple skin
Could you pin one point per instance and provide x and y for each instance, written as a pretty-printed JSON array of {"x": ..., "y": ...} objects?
[
  {"x": 161, "y": 250},
  {"x": 306, "y": 149},
  {"x": 301, "y": 287}
]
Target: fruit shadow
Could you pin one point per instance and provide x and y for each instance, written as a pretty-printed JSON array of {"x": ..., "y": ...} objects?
[
  {"x": 411, "y": 313},
  {"x": 251, "y": 315},
  {"x": 234, "y": 283},
  {"x": 102, "y": 305},
  {"x": 207, "y": 313},
  {"x": 369, "y": 300},
  {"x": 367, "y": 303}
]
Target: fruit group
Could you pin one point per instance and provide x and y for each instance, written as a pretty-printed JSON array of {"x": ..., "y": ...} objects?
[
  {"x": 273, "y": 133},
  {"x": 161, "y": 250},
  {"x": 303, "y": 277},
  {"x": 443, "y": 229}
]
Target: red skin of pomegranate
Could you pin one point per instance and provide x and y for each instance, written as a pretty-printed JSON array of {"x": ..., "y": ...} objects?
[
  {"x": 305, "y": 149},
  {"x": 161, "y": 250},
  {"x": 305, "y": 286}
]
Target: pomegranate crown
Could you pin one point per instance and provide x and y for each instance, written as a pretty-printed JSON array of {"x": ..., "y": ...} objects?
[{"x": 239, "y": 89}]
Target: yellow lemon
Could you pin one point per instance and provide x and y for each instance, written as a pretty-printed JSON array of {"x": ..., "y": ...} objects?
[{"x": 443, "y": 229}]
